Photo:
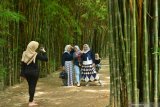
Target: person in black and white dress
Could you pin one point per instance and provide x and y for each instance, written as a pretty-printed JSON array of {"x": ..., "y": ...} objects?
[
  {"x": 67, "y": 63},
  {"x": 88, "y": 66}
]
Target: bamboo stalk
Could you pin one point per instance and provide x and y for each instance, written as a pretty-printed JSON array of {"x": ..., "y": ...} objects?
[
  {"x": 111, "y": 55},
  {"x": 127, "y": 70},
  {"x": 155, "y": 46},
  {"x": 134, "y": 54},
  {"x": 146, "y": 97}
]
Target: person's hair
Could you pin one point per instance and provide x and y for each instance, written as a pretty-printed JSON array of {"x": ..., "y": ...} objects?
[{"x": 96, "y": 54}]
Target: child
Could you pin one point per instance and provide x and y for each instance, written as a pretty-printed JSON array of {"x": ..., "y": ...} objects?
[{"x": 97, "y": 62}]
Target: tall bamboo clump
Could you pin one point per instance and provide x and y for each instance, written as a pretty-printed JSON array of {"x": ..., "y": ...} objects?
[{"x": 133, "y": 52}]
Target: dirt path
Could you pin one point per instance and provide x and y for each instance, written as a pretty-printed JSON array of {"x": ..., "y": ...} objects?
[{"x": 50, "y": 93}]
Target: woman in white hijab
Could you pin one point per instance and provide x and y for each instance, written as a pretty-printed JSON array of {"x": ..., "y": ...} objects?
[
  {"x": 88, "y": 66},
  {"x": 67, "y": 64},
  {"x": 29, "y": 67}
]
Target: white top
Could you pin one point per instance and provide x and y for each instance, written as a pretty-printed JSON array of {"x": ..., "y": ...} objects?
[{"x": 88, "y": 62}]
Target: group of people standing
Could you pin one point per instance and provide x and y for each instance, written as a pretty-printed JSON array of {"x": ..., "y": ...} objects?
[{"x": 83, "y": 63}]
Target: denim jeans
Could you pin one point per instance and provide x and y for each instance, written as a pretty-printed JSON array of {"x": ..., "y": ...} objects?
[{"x": 77, "y": 73}]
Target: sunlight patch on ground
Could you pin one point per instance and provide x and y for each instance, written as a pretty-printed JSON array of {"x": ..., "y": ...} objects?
[
  {"x": 108, "y": 78},
  {"x": 56, "y": 99},
  {"x": 40, "y": 93},
  {"x": 100, "y": 74},
  {"x": 105, "y": 65},
  {"x": 106, "y": 83},
  {"x": 104, "y": 90},
  {"x": 17, "y": 105},
  {"x": 73, "y": 89},
  {"x": 97, "y": 91},
  {"x": 93, "y": 91},
  {"x": 58, "y": 103},
  {"x": 38, "y": 88},
  {"x": 16, "y": 86}
]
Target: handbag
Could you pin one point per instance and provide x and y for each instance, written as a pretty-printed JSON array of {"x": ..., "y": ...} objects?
[{"x": 63, "y": 75}]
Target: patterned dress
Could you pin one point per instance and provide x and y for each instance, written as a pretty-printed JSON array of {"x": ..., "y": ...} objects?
[
  {"x": 88, "y": 71},
  {"x": 69, "y": 70},
  {"x": 68, "y": 64}
]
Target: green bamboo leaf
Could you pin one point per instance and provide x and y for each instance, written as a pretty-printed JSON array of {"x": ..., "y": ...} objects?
[{"x": 3, "y": 42}]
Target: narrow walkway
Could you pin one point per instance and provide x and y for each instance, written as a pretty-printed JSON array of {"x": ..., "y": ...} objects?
[{"x": 50, "y": 93}]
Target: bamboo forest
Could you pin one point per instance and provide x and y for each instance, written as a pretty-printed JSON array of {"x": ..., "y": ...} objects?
[{"x": 125, "y": 34}]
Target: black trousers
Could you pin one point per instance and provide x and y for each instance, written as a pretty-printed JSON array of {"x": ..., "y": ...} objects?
[{"x": 32, "y": 82}]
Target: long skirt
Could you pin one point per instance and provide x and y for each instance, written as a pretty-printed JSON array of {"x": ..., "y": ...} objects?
[
  {"x": 69, "y": 70},
  {"x": 89, "y": 73}
]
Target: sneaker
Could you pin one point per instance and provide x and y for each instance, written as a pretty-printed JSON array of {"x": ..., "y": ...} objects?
[{"x": 32, "y": 104}]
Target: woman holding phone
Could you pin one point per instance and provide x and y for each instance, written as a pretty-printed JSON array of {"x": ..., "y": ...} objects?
[{"x": 29, "y": 67}]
